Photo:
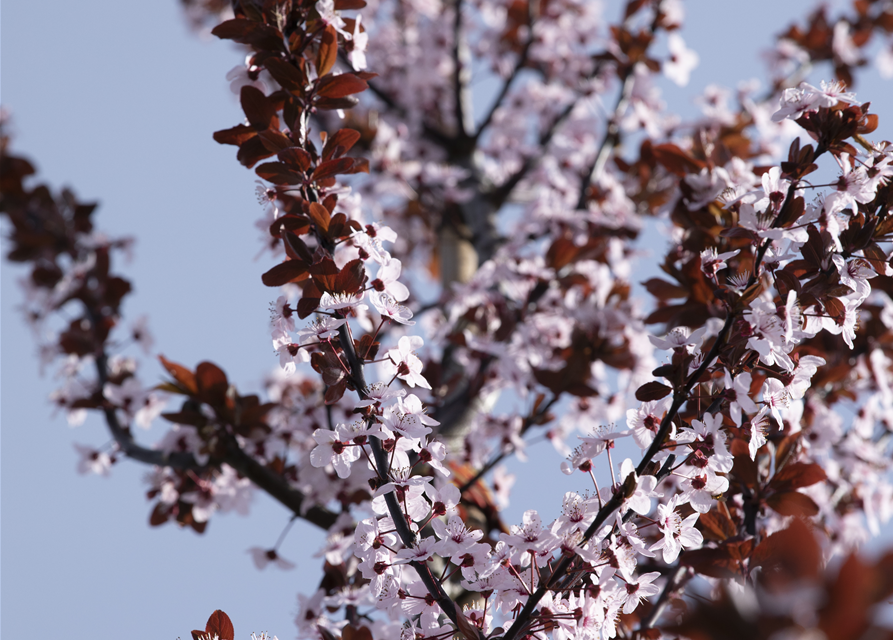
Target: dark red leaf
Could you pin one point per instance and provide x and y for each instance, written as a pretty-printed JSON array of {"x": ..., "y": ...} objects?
[
  {"x": 716, "y": 525},
  {"x": 340, "y": 143},
  {"x": 351, "y": 278},
  {"x": 258, "y": 109},
  {"x": 562, "y": 252},
  {"x": 284, "y": 272},
  {"x": 332, "y": 168},
  {"x": 289, "y": 76},
  {"x": 746, "y": 471},
  {"x": 309, "y": 301},
  {"x": 181, "y": 374},
  {"x": 360, "y": 165},
  {"x": 792, "y": 553},
  {"x": 274, "y": 141},
  {"x": 340, "y": 86},
  {"x": 721, "y": 562},
  {"x": 331, "y": 104},
  {"x": 652, "y": 391},
  {"x": 835, "y": 309},
  {"x": 738, "y": 232},
  {"x": 192, "y": 418},
  {"x": 278, "y": 173},
  {"x": 793, "y": 503},
  {"x": 220, "y": 625},
  {"x": 320, "y": 216},
  {"x": 796, "y": 475},
  {"x": 296, "y": 158},
  {"x": 160, "y": 514},
  {"x": 675, "y": 160},
  {"x": 334, "y": 392},
  {"x": 297, "y": 248},
  {"x": 663, "y": 290},
  {"x": 328, "y": 51},
  {"x": 324, "y": 274},
  {"x": 235, "y": 136},
  {"x": 290, "y": 222},
  {"x": 212, "y": 383},
  {"x": 256, "y": 34},
  {"x": 253, "y": 151}
]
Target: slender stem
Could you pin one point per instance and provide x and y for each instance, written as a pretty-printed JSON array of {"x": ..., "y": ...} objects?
[
  {"x": 674, "y": 582},
  {"x": 519, "y": 65},
  {"x": 611, "y": 139},
  {"x": 462, "y": 102},
  {"x": 528, "y": 422},
  {"x": 284, "y": 533}
]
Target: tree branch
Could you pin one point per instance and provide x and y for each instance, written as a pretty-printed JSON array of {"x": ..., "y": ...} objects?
[
  {"x": 611, "y": 139},
  {"x": 516, "y": 70},
  {"x": 263, "y": 477},
  {"x": 462, "y": 99}
]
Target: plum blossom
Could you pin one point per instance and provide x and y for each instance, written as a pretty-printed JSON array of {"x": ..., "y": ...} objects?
[
  {"x": 335, "y": 448},
  {"x": 530, "y": 538},
  {"x": 405, "y": 364},
  {"x": 678, "y": 533},
  {"x": 640, "y": 590},
  {"x": 708, "y": 443},
  {"x": 455, "y": 539},
  {"x": 135, "y": 402},
  {"x": 640, "y": 500},
  {"x": 387, "y": 280},
  {"x": 795, "y": 102},
  {"x": 93, "y": 461},
  {"x": 329, "y": 15},
  {"x": 408, "y": 418},
  {"x": 758, "y": 426},
  {"x": 738, "y": 394},
  {"x": 282, "y": 315},
  {"x": 388, "y": 307},
  {"x": 682, "y": 60},
  {"x": 701, "y": 488},
  {"x": 341, "y": 301},
  {"x": 322, "y": 329},
  {"x": 713, "y": 262},
  {"x": 678, "y": 338},
  {"x": 263, "y": 557},
  {"x": 776, "y": 397},
  {"x": 601, "y": 438},
  {"x": 421, "y": 551},
  {"x": 359, "y": 41}
]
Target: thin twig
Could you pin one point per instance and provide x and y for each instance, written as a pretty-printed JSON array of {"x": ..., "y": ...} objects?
[
  {"x": 674, "y": 582},
  {"x": 462, "y": 101},
  {"x": 519, "y": 65}
]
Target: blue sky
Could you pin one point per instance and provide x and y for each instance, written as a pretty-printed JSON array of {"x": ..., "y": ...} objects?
[{"x": 119, "y": 101}]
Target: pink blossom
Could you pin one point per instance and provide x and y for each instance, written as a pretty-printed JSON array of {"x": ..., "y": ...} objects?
[
  {"x": 405, "y": 364},
  {"x": 263, "y": 557},
  {"x": 678, "y": 533},
  {"x": 335, "y": 448}
]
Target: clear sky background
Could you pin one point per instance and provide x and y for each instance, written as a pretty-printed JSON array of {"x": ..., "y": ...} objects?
[{"x": 119, "y": 101}]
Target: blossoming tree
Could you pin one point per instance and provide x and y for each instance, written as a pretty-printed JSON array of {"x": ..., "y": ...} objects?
[{"x": 454, "y": 278}]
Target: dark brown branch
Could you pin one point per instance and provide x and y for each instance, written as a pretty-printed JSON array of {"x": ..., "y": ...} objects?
[
  {"x": 462, "y": 100},
  {"x": 611, "y": 139},
  {"x": 679, "y": 398},
  {"x": 435, "y": 136},
  {"x": 501, "y": 194},
  {"x": 263, "y": 477}
]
